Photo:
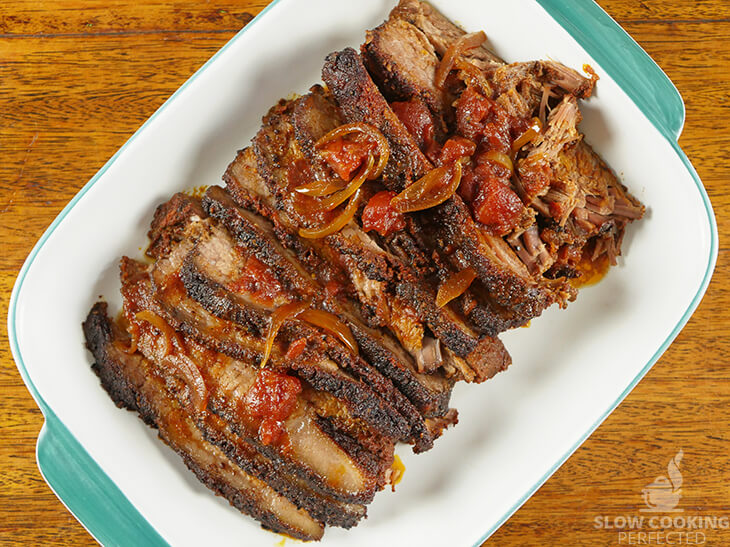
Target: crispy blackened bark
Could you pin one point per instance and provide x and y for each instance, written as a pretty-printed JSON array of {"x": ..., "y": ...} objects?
[{"x": 132, "y": 383}]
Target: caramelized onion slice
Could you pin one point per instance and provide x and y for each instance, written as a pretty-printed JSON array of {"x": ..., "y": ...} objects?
[
  {"x": 501, "y": 158},
  {"x": 281, "y": 314},
  {"x": 432, "y": 189},
  {"x": 364, "y": 129},
  {"x": 320, "y": 188},
  {"x": 473, "y": 76},
  {"x": 194, "y": 380},
  {"x": 337, "y": 224},
  {"x": 179, "y": 361},
  {"x": 331, "y": 323},
  {"x": 397, "y": 470},
  {"x": 353, "y": 186},
  {"x": 132, "y": 347},
  {"x": 464, "y": 43},
  {"x": 526, "y": 137},
  {"x": 168, "y": 333},
  {"x": 455, "y": 286}
]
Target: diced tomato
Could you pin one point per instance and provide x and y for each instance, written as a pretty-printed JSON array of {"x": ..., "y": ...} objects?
[
  {"x": 495, "y": 204},
  {"x": 272, "y": 398},
  {"x": 345, "y": 156},
  {"x": 497, "y": 135},
  {"x": 471, "y": 110},
  {"x": 456, "y": 148},
  {"x": 417, "y": 118},
  {"x": 271, "y": 431},
  {"x": 378, "y": 215},
  {"x": 256, "y": 280},
  {"x": 296, "y": 348},
  {"x": 535, "y": 176},
  {"x": 469, "y": 184}
]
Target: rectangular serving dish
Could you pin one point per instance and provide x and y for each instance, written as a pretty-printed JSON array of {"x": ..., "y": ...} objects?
[{"x": 569, "y": 371}]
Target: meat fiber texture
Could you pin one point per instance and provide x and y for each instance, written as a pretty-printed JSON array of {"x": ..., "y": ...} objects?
[{"x": 307, "y": 440}]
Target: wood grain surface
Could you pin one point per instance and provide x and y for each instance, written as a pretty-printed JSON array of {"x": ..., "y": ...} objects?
[{"x": 77, "y": 78}]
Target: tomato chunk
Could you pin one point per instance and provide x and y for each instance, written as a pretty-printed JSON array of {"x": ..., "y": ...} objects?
[
  {"x": 256, "y": 280},
  {"x": 346, "y": 156},
  {"x": 456, "y": 148},
  {"x": 495, "y": 204},
  {"x": 272, "y": 398},
  {"x": 416, "y": 116},
  {"x": 472, "y": 109},
  {"x": 380, "y": 216}
]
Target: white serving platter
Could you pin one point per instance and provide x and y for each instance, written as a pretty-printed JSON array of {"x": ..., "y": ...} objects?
[{"x": 571, "y": 368}]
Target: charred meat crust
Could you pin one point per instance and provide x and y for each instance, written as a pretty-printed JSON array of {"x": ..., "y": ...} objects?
[
  {"x": 455, "y": 225},
  {"x": 309, "y": 122},
  {"x": 131, "y": 384},
  {"x": 429, "y": 394},
  {"x": 169, "y": 223},
  {"x": 218, "y": 300},
  {"x": 384, "y": 50},
  {"x": 322, "y": 508},
  {"x": 194, "y": 319},
  {"x": 361, "y": 101},
  {"x": 302, "y": 473},
  {"x": 132, "y": 272}
]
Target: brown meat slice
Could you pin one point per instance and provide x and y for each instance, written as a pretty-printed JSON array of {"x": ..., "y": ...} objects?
[
  {"x": 428, "y": 392},
  {"x": 441, "y": 32},
  {"x": 322, "y": 508},
  {"x": 307, "y": 452},
  {"x": 330, "y": 367},
  {"x": 132, "y": 383},
  {"x": 360, "y": 101},
  {"x": 169, "y": 223},
  {"x": 403, "y": 61}
]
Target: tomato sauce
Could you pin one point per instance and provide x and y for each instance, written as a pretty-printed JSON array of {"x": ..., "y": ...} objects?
[
  {"x": 345, "y": 156},
  {"x": 257, "y": 281},
  {"x": 380, "y": 216},
  {"x": 591, "y": 271},
  {"x": 495, "y": 204},
  {"x": 271, "y": 399},
  {"x": 456, "y": 148},
  {"x": 417, "y": 118}
]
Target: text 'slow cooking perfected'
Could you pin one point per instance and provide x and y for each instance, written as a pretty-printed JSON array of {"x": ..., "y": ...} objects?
[{"x": 285, "y": 331}]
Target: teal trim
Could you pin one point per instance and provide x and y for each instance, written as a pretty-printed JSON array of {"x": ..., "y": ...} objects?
[
  {"x": 619, "y": 55},
  {"x": 99, "y": 504},
  {"x": 88, "y": 492},
  {"x": 73, "y": 475}
]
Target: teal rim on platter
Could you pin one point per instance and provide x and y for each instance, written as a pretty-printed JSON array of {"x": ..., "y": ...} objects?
[{"x": 96, "y": 501}]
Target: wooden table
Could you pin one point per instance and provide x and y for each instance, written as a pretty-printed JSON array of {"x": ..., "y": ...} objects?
[{"x": 77, "y": 78}]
